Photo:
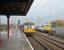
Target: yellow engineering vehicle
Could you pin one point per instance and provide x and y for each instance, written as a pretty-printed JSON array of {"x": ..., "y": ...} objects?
[{"x": 47, "y": 28}]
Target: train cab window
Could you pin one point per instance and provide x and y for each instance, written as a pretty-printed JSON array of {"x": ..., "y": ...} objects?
[
  {"x": 25, "y": 26},
  {"x": 29, "y": 26}
]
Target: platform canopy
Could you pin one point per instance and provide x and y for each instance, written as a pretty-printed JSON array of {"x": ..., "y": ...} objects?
[{"x": 14, "y": 7}]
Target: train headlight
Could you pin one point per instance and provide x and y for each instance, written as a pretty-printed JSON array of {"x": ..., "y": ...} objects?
[{"x": 32, "y": 27}]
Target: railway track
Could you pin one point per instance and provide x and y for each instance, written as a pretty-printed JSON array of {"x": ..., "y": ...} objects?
[
  {"x": 48, "y": 42},
  {"x": 35, "y": 44}
]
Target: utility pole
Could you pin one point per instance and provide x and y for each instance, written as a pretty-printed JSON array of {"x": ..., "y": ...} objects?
[{"x": 38, "y": 18}]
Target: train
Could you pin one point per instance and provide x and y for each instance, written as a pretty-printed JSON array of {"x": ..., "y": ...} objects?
[
  {"x": 29, "y": 28},
  {"x": 45, "y": 29}
]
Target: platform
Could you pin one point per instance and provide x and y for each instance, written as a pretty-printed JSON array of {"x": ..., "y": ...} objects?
[{"x": 17, "y": 41}]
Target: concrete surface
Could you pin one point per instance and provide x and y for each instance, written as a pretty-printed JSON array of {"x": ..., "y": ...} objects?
[{"x": 17, "y": 41}]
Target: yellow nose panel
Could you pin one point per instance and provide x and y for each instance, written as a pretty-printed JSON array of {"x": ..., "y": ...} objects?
[{"x": 29, "y": 30}]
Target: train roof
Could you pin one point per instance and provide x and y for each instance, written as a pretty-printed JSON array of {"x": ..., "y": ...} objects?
[
  {"x": 28, "y": 23},
  {"x": 15, "y": 7}
]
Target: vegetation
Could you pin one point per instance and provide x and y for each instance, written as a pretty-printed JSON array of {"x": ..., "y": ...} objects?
[{"x": 57, "y": 23}]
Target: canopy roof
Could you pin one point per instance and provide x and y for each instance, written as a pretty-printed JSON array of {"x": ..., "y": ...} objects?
[{"x": 14, "y": 7}]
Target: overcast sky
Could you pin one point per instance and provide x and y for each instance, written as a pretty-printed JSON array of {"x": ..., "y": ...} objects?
[{"x": 41, "y": 12}]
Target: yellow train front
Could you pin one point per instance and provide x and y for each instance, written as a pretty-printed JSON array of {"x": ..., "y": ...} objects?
[
  {"x": 47, "y": 28},
  {"x": 29, "y": 28}
]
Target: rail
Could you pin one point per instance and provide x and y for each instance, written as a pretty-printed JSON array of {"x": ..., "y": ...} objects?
[{"x": 48, "y": 41}]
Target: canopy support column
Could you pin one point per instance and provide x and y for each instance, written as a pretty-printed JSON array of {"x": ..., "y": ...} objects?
[{"x": 8, "y": 16}]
